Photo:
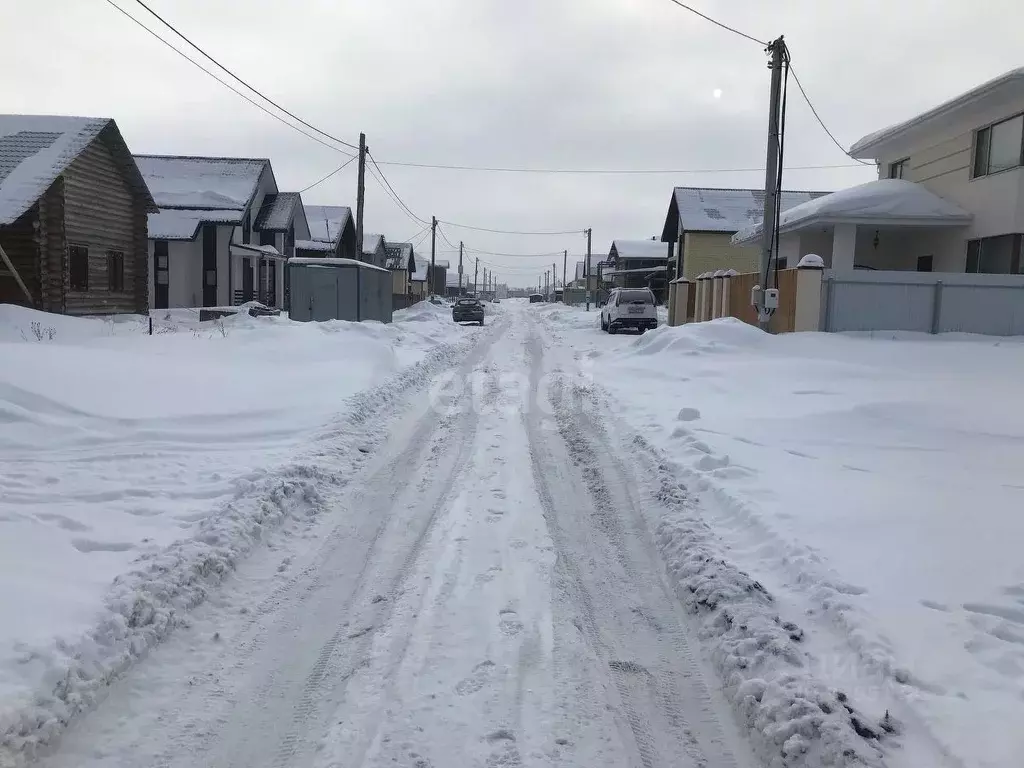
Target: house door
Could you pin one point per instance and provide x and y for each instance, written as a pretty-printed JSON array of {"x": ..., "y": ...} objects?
[
  {"x": 209, "y": 265},
  {"x": 246, "y": 279},
  {"x": 161, "y": 275},
  {"x": 271, "y": 283}
]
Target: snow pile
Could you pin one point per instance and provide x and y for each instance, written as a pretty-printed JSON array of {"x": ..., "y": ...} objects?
[
  {"x": 138, "y": 469},
  {"x": 871, "y": 486}
]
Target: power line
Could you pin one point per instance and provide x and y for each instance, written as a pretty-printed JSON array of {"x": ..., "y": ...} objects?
[
  {"x": 332, "y": 173},
  {"x": 607, "y": 171},
  {"x": 396, "y": 200},
  {"x": 718, "y": 23},
  {"x": 270, "y": 101},
  {"x": 226, "y": 84},
  {"x": 508, "y": 231},
  {"x": 821, "y": 122},
  {"x": 397, "y": 197}
]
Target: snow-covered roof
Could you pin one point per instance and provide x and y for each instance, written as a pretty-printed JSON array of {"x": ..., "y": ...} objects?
[
  {"x": 313, "y": 245},
  {"x": 995, "y": 91},
  {"x": 326, "y": 222},
  {"x": 276, "y": 212},
  {"x": 371, "y": 242},
  {"x": 399, "y": 255},
  {"x": 441, "y": 263},
  {"x": 218, "y": 183},
  {"x": 315, "y": 262},
  {"x": 641, "y": 271},
  {"x": 183, "y": 224},
  {"x": 639, "y": 249},
  {"x": 893, "y": 202},
  {"x": 36, "y": 149},
  {"x": 706, "y": 209},
  {"x": 422, "y": 268}
]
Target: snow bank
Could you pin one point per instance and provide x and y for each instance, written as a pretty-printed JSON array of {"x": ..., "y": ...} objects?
[
  {"x": 872, "y": 487},
  {"x": 138, "y": 469}
]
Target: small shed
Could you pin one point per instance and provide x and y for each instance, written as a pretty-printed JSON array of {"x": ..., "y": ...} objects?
[{"x": 339, "y": 289}]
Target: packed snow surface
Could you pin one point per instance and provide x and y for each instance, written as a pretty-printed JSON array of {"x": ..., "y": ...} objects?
[
  {"x": 872, "y": 485},
  {"x": 117, "y": 446}
]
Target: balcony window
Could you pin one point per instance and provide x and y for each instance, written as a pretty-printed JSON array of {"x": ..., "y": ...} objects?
[{"x": 999, "y": 147}]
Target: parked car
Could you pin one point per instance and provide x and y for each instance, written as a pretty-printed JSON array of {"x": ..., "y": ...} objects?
[
  {"x": 495, "y": 300},
  {"x": 629, "y": 308},
  {"x": 468, "y": 310},
  {"x": 536, "y": 298}
]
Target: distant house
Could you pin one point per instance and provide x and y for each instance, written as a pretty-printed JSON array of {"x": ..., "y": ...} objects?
[
  {"x": 374, "y": 250},
  {"x": 223, "y": 232},
  {"x": 701, "y": 222},
  {"x": 332, "y": 233},
  {"x": 73, "y": 209},
  {"x": 401, "y": 260},
  {"x": 439, "y": 279},
  {"x": 418, "y": 281},
  {"x": 596, "y": 266},
  {"x": 637, "y": 264}
]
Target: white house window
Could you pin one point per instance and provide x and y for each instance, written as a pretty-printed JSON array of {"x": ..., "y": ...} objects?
[
  {"x": 897, "y": 169},
  {"x": 999, "y": 147}
]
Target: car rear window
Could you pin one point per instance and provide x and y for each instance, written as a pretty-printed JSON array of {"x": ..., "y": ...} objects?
[
  {"x": 467, "y": 302},
  {"x": 634, "y": 296}
]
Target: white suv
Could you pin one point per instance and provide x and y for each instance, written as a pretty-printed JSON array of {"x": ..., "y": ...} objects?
[{"x": 629, "y": 308}]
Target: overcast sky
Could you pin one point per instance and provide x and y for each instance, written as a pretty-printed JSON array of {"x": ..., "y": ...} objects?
[{"x": 537, "y": 83}]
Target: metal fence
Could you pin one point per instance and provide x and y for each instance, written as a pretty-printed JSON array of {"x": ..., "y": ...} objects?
[{"x": 929, "y": 302}]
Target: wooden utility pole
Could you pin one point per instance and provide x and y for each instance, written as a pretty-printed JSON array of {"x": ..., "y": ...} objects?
[
  {"x": 565, "y": 264},
  {"x": 476, "y": 266},
  {"x": 767, "y": 298},
  {"x": 460, "y": 267},
  {"x": 360, "y": 196},
  {"x": 433, "y": 251},
  {"x": 586, "y": 269}
]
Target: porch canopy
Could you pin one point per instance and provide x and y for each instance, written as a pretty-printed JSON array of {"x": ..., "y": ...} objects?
[{"x": 881, "y": 204}]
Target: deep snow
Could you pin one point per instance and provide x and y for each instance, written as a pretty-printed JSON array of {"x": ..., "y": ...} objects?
[
  {"x": 871, "y": 486},
  {"x": 137, "y": 468}
]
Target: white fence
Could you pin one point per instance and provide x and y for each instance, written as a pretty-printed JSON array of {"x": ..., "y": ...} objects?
[{"x": 930, "y": 302}]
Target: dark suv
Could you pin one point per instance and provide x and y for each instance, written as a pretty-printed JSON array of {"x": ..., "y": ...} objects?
[{"x": 468, "y": 310}]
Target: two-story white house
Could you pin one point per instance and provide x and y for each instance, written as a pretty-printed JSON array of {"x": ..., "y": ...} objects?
[
  {"x": 223, "y": 231},
  {"x": 949, "y": 198}
]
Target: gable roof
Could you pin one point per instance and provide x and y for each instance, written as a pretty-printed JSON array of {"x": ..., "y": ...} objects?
[
  {"x": 399, "y": 255},
  {"x": 327, "y": 222},
  {"x": 422, "y": 268},
  {"x": 277, "y": 211},
  {"x": 1009, "y": 84},
  {"x": 708, "y": 209},
  {"x": 372, "y": 242},
  {"x": 639, "y": 249},
  {"x": 441, "y": 263},
  {"x": 36, "y": 149},
  {"x": 202, "y": 183}
]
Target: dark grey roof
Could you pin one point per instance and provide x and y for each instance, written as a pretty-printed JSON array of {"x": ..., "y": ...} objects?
[
  {"x": 36, "y": 149},
  {"x": 276, "y": 212},
  {"x": 399, "y": 255}
]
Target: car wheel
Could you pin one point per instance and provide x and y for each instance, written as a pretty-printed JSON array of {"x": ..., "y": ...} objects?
[
  {"x": 481, "y": 323},
  {"x": 612, "y": 329}
]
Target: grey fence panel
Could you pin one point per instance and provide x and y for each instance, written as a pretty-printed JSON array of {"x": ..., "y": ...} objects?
[
  {"x": 863, "y": 306},
  {"x": 988, "y": 309}
]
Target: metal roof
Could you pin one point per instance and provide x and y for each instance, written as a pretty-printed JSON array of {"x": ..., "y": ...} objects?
[
  {"x": 327, "y": 222},
  {"x": 215, "y": 183},
  {"x": 639, "y": 249},
  {"x": 708, "y": 209},
  {"x": 399, "y": 255}
]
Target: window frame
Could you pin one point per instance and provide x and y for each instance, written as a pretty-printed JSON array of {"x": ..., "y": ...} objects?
[
  {"x": 115, "y": 258},
  {"x": 975, "y": 144},
  {"x": 72, "y": 285},
  {"x": 901, "y": 165}
]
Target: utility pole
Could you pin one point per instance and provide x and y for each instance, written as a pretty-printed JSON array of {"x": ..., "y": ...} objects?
[
  {"x": 460, "y": 267},
  {"x": 586, "y": 268},
  {"x": 476, "y": 266},
  {"x": 360, "y": 196},
  {"x": 554, "y": 280},
  {"x": 565, "y": 264},
  {"x": 767, "y": 298},
  {"x": 433, "y": 252}
]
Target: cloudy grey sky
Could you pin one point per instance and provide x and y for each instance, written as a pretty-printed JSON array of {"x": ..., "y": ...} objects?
[{"x": 537, "y": 83}]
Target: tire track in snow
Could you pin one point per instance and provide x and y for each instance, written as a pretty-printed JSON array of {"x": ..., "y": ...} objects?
[{"x": 602, "y": 550}]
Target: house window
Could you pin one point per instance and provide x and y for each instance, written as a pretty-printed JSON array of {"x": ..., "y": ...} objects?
[
  {"x": 268, "y": 238},
  {"x": 115, "y": 270},
  {"x": 246, "y": 228},
  {"x": 995, "y": 255},
  {"x": 898, "y": 169},
  {"x": 924, "y": 263},
  {"x": 999, "y": 147},
  {"x": 78, "y": 265}
]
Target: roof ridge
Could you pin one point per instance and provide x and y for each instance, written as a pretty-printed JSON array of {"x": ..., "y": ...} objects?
[
  {"x": 203, "y": 157},
  {"x": 754, "y": 189}
]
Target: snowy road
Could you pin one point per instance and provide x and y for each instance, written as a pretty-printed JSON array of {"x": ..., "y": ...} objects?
[{"x": 486, "y": 594}]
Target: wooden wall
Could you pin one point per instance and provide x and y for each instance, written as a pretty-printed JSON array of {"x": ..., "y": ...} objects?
[{"x": 740, "y": 286}]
